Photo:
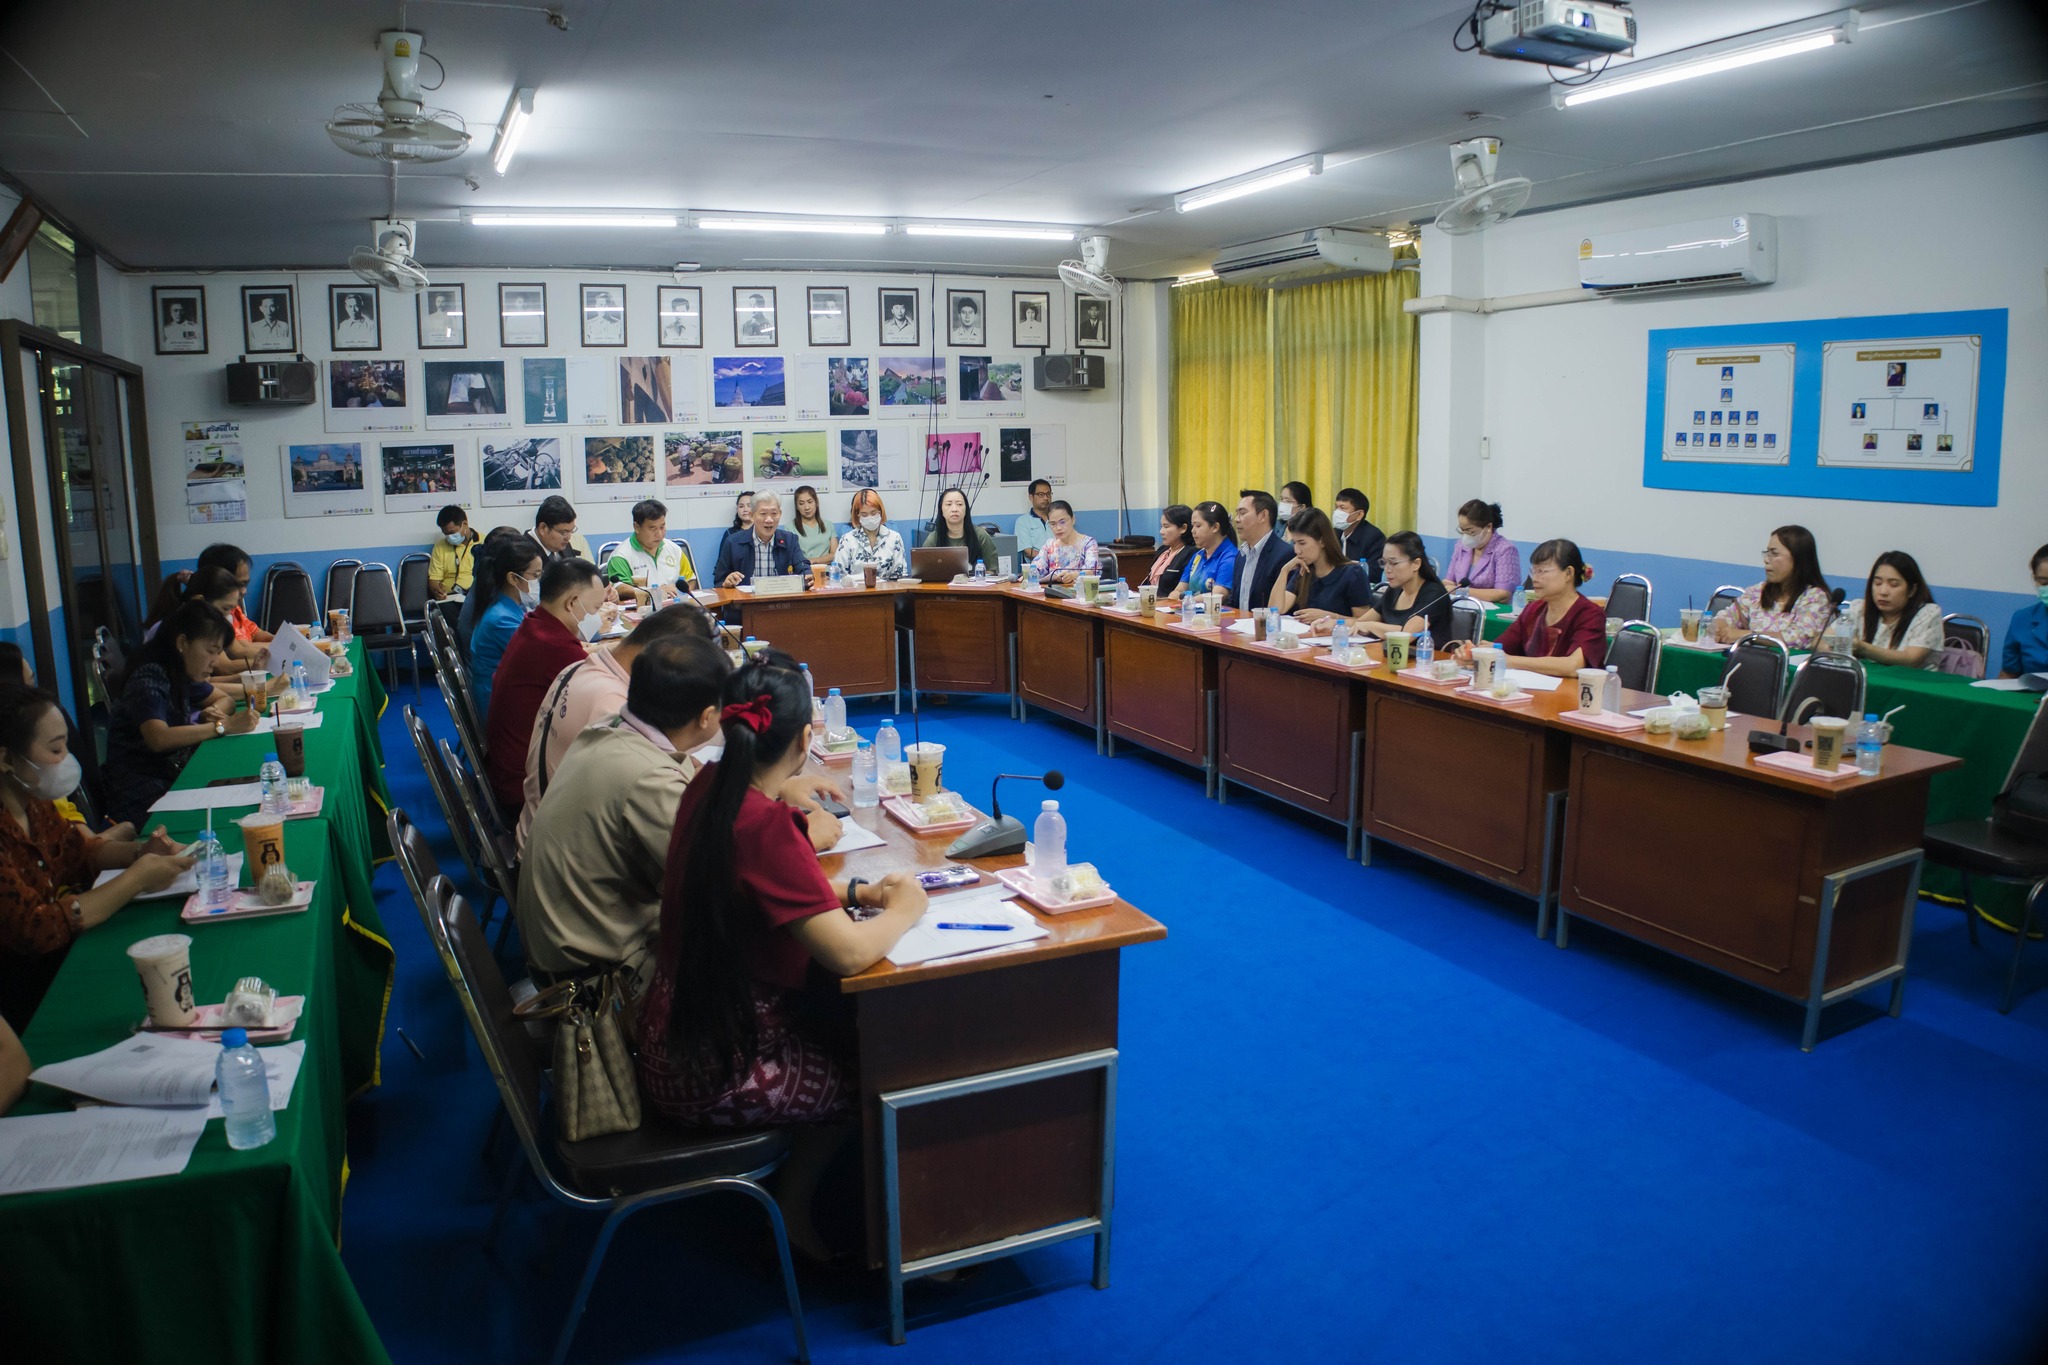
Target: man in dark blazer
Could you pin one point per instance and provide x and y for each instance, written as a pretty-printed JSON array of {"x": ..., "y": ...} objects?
[
  {"x": 1363, "y": 541},
  {"x": 764, "y": 548},
  {"x": 1262, "y": 549}
]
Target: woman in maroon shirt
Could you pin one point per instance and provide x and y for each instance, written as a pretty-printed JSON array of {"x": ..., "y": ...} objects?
[
  {"x": 728, "y": 1037},
  {"x": 1559, "y": 632}
]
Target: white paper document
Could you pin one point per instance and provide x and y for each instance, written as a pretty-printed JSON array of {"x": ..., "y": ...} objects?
[
  {"x": 186, "y": 884},
  {"x": 210, "y": 798},
  {"x": 144, "y": 1070},
  {"x": 926, "y": 941},
  {"x": 291, "y": 646},
  {"x": 1287, "y": 623},
  {"x": 307, "y": 719},
  {"x": 2003, "y": 684},
  {"x": 853, "y": 838},
  {"x": 281, "y": 1065},
  {"x": 96, "y": 1146},
  {"x": 1533, "y": 682}
]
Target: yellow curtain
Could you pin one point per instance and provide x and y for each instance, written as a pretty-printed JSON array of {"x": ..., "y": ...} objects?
[
  {"x": 1315, "y": 383},
  {"x": 1222, "y": 390}
]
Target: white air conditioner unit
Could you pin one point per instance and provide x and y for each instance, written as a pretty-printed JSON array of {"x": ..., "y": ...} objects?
[
  {"x": 1306, "y": 258},
  {"x": 1708, "y": 253}
]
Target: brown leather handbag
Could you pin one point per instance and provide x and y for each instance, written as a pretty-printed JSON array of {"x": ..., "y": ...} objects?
[{"x": 596, "y": 1089}]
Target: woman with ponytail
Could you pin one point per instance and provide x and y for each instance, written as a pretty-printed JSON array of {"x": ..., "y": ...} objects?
[
  {"x": 727, "y": 1038},
  {"x": 218, "y": 588}
]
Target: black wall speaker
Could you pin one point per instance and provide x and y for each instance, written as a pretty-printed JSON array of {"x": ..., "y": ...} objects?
[
  {"x": 1055, "y": 372},
  {"x": 273, "y": 383}
]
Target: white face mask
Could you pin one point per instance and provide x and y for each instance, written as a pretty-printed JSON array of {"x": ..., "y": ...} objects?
[
  {"x": 56, "y": 781},
  {"x": 1286, "y": 511},
  {"x": 589, "y": 626},
  {"x": 455, "y": 538},
  {"x": 1340, "y": 518},
  {"x": 871, "y": 522},
  {"x": 1471, "y": 541},
  {"x": 529, "y": 595}
]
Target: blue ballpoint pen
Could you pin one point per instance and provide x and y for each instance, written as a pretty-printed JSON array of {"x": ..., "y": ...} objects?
[{"x": 991, "y": 928}]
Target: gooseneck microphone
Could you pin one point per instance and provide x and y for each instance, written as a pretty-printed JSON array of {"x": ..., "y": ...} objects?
[{"x": 1000, "y": 833}]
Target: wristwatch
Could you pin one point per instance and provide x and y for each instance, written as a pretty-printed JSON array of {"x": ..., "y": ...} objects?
[
  {"x": 853, "y": 886},
  {"x": 220, "y": 727}
]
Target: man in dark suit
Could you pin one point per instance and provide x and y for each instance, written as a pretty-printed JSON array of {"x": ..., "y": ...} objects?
[
  {"x": 763, "y": 550},
  {"x": 1262, "y": 550},
  {"x": 1363, "y": 541}
]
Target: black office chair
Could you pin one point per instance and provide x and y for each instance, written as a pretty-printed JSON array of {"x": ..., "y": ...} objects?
[
  {"x": 1634, "y": 651},
  {"x": 288, "y": 596},
  {"x": 1965, "y": 634},
  {"x": 1468, "y": 619},
  {"x": 260, "y": 603},
  {"x": 1999, "y": 849},
  {"x": 443, "y": 787},
  {"x": 453, "y": 680},
  {"x": 1754, "y": 674},
  {"x": 1724, "y": 596},
  {"x": 607, "y": 550},
  {"x": 620, "y": 1174},
  {"x": 378, "y": 621},
  {"x": 418, "y": 865},
  {"x": 497, "y": 859},
  {"x": 1106, "y": 564},
  {"x": 1836, "y": 680},
  {"x": 1629, "y": 598},
  {"x": 341, "y": 577}
]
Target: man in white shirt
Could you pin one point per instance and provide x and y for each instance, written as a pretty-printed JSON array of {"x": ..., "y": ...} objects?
[
  {"x": 604, "y": 322},
  {"x": 354, "y": 330},
  {"x": 443, "y": 323},
  {"x": 899, "y": 328},
  {"x": 269, "y": 332},
  {"x": 180, "y": 333}
]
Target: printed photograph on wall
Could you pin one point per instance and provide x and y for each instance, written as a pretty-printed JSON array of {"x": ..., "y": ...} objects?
[
  {"x": 742, "y": 381},
  {"x": 367, "y": 395},
  {"x": 703, "y": 459},
  {"x": 953, "y": 452},
  {"x": 831, "y": 315},
  {"x": 877, "y": 458},
  {"x": 269, "y": 321},
  {"x": 216, "y": 479},
  {"x": 847, "y": 384},
  {"x": 681, "y": 307},
  {"x": 603, "y": 307},
  {"x": 645, "y": 394},
  {"x": 180, "y": 314},
  {"x": 966, "y": 323},
  {"x": 326, "y": 480},
  {"x": 521, "y": 471},
  {"x": 983, "y": 379},
  {"x": 788, "y": 456},
  {"x": 444, "y": 325},
  {"x": 753, "y": 316},
  {"x": 1091, "y": 323},
  {"x": 912, "y": 381},
  {"x": 422, "y": 476},
  {"x": 611, "y": 462},
  {"x": 1013, "y": 444},
  {"x": 352, "y": 319},
  {"x": 899, "y": 317},
  {"x": 522, "y": 315},
  {"x": 466, "y": 393},
  {"x": 1030, "y": 319}
]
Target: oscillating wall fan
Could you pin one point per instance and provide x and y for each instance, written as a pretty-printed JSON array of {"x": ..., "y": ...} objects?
[
  {"x": 399, "y": 127},
  {"x": 1482, "y": 200},
  {"x": 389, "y": 263},
  {"x": 1090, "y": 274}
]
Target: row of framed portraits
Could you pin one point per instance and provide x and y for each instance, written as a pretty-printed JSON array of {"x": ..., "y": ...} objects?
[{"x": 355, "y": 320}]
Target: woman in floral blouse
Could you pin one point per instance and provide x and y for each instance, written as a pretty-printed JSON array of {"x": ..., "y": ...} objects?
[
  {"x": 1067, "y": 554},
  {"x": 870, "y": 540},
  {"x": 1792, "y": 601},
  {"x": 47, "y": 863}
]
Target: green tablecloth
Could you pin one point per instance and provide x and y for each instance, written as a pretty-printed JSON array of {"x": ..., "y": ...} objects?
[{"x": 236, "y": 1258}]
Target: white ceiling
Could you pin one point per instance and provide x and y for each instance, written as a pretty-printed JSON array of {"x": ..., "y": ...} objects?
[{"x": 195, "y": 139}]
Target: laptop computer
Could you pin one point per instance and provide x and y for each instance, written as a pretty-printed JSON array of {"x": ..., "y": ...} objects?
[{"x": 939, "y": 564}]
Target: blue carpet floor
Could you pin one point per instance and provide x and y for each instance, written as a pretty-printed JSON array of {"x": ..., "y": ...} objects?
[{"x": 1365, "y": 1115}]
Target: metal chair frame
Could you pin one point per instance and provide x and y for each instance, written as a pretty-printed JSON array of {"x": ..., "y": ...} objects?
[
  {"x": 499, "y": 876},
  {"x": 1468, "y": 619},
  {"x": 1760, "y": 646},
  {"x": 1821, "y": 663},
  {"x": 261, "y": 602},
  {"x": 443, "y": 786},
  {"x": 383, "y": 633},
  {"x": 1971, "y": 632},
  {"x": 274, "y": 583},
  {"x": 453, "y": 680},
  {"x": 1614, "y": 590},
  {"x": 1723, "y": 596},
  {"x": 342, "y": 594},
  {"x": 1656, "y": 650}
]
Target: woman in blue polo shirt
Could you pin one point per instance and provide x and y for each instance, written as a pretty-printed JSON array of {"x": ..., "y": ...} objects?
[
  {"x": 2026, "y": 639},
  {"x": 1214, "y": 567}
]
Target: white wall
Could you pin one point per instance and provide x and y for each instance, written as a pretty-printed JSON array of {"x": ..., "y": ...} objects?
[
  {"x": 1560, "y": 391},
  {"x": 187, "y": 388}
]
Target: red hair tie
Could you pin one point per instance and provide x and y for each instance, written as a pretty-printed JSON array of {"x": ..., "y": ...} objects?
[{"x": 756, "y": 715}]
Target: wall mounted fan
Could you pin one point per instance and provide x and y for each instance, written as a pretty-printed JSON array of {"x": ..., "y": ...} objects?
[{"x": 1482, "y": 200}]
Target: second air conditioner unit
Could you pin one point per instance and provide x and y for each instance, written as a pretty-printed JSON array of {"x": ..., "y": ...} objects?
[
  {"x": 1305, "y": 258},
  {"x": 1738, "y": 251}
]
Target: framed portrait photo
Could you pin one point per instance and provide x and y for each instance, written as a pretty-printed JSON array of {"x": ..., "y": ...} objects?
[
  {"x": 1030, "y": 319},
  {"x": 966, "y": 317},
  {"x": 681, "y": 307},
  {"x": 522, "y": 315},
  {"x": 899, "y": 317},
  {"x": 603, "y": 307},
  {"x": 180, "y": 314},
  {"x": 1091, "y": 323},
  {"x": 830, "y": 312},
  {"x": 444, "y": 321},
  {"x": 353, "y": 323},
  {"x": 753, "y": 316},
  {"x": 269, "y": 319}
]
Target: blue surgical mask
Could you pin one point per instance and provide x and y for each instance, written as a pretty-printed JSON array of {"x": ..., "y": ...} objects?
[
  {"x": 2041, "y": 592},
  {"x": 455, "y": 538}
]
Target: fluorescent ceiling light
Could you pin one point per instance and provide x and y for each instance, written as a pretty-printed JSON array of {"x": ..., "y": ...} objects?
[
  {"x": 512, "y": 127},
  {"x": 567, "y": 218},
  {"x": 1634, "y": 77},
  {"x": 1194, "y": 277},
  {"x": 1008, "y": 231},
  {"x": 1286, "y": 173},
  {"x": 731, "y": 223}
]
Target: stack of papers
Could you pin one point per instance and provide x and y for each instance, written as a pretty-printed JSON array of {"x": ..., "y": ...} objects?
[
  {"x": 926, "y": 941},
  {"x": 187, "y": 883},
  {"x": 154, "y": 1071},
  {"x": 1533, "y": 682},
  {"x": 97, "y": 1146}
]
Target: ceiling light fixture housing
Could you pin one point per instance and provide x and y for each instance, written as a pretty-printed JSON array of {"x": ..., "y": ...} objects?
[
  {"x": 1711, "y": 59},
  {"x": 759, "y": 222},
  {"x": 511, "y": 128},
  {"x": 1018, "y": 232},
  {"x": 1272, "y": 177},
  {"x": 600, "y": 218}
]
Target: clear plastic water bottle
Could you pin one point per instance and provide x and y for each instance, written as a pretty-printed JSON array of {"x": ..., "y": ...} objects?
[
  {"x": 1274, "y": 630},
  {"x": 835, "y": 714},
  {"x": 1870, "y": 746},
  {"x": 1031, "y": 575},
  {"x": 867, "y": 781},
  {"x": 1340, "y": 635},
  {"x": 211, "y": 864},
  {"x": 811, "y": 686},
  {"x": 888, "y": 743},
  {"x": 244, "y": 1092},
  {"x": 299, "y": 683},
  {"x": 270, "y": 778},
  {"x": 835, "y": 574},
  {"x": 1049, "y": 844},
  {"x": 980, "y": 571},
  {"x": 1610, "y": 700},
  {"x": 1425, "y": 651},
  {"x": 1519, "y": 600}
]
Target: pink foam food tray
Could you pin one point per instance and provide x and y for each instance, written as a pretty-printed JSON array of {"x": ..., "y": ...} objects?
[
  {"x": 1021, "y": 881},
  {"x": 1333, "y": 661},
  {"x": 246, "y": 904},
  {"x": 1518, "y": 699},
  {"x": 1802, "y": 764},
  {"x": 309, "y": 807},
  {"x": 207, "y": 1027},
  {"x": 1620, "y": 722},
  {"x": 898, "y": 808},
  {"x": 1459, "y": 681},
  {"x": 824, "y": 755}
]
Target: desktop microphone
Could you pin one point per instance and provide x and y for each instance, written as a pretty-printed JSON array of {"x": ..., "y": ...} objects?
[
  {"x": 1764, "y": 742},
  {"x": 1000, "y": 833}
]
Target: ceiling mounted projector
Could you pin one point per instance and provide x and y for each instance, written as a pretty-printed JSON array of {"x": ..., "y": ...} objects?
[
  {"x": 399, "y": 128},
  {"x": 389, "y": 263},
  {"x": 1557, "y": 32}
]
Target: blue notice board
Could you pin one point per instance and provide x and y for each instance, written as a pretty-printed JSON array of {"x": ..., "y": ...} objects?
[{"x": 1906, "y": 408}]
